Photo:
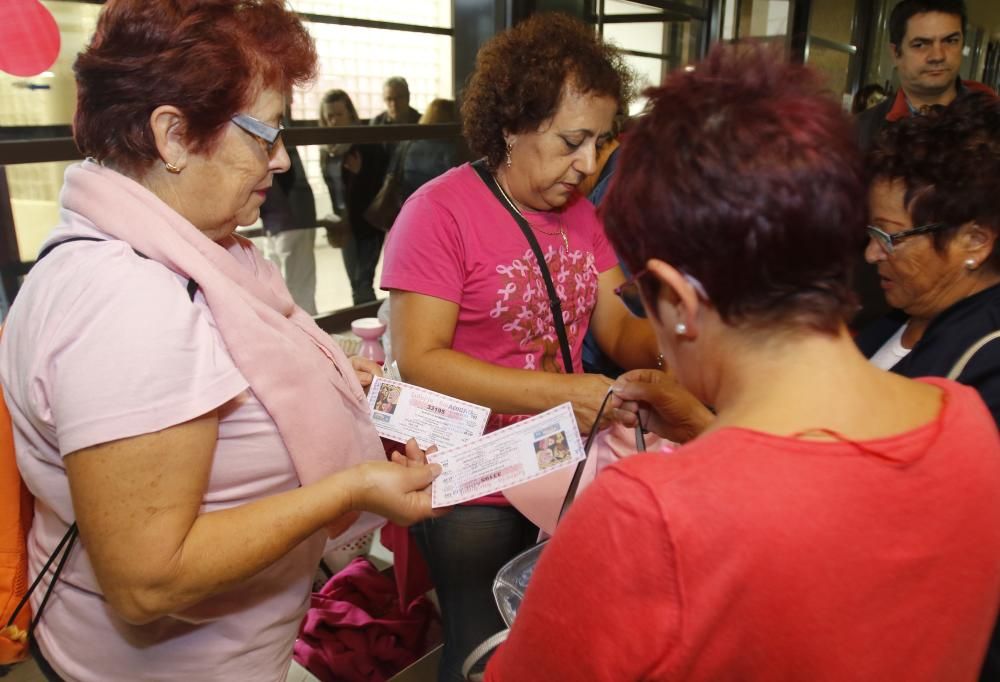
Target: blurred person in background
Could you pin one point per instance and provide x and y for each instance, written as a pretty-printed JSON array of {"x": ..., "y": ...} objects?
[
  {"x": 353, "y": 175},
  {"x": 424, "y": 160},
  {"x": 289, "y": 217},
  {"x": 867, "y": 97},
  {"x": 396, "y": 96}
]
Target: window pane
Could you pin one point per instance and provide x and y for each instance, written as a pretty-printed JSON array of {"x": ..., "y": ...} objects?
[
  {"x": 678, "y": 42},
  {"x": 649, "y": 72},
  {"x": 832, "y": 19},
  {"x": 835, "y": 64},
  {"x": 34, "y": 200},
  {"x": 684, "y": 40},
  {"x": 639, "y": 7},
  {"x": 421, "y": 13},
  {"x": 640, "y": 37},
  {"x": 358, "y": 60},
  {"x": 763, "y": 18},
  {"x": 626, "y": 7}
]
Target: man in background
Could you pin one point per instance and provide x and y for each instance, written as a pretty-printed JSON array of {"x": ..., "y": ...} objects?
[
  {"x": 926, "y": 40},
  {"x": 396, "y": 95}
]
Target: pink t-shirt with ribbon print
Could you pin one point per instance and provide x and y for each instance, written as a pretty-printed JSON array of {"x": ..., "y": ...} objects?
[{"x": 453, "y": 240}]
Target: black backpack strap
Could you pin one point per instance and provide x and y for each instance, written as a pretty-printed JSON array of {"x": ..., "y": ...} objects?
[
  {"x": 65, "y": 546},
  {"x": 192, "y": 286},
  {"x": 554, "y": 303},
  {"x": 51, "y": 247}
]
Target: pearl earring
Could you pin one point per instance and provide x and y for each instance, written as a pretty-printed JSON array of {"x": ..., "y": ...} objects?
[
  {"x": 509, "y": 147},
  {"x": 681, "y": 329},
  {"x": 970, "y": 264}
]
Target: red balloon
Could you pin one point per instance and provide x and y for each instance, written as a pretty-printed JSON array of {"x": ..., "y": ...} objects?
[{"x": 29, "y": 36}]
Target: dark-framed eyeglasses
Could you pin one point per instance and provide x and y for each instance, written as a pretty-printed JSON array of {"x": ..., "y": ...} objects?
[
  {"x": 628, "y": 292},
  {"x": 888, "y": 241},
  {"x": 267, "y": 135}
]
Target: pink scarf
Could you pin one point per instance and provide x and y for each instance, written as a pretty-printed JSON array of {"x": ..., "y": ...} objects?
[{"x": 302, "y": 378}]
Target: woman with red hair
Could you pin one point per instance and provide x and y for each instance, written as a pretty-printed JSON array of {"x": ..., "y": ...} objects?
[
  {"x": 167, "y": 395},
  {"x": 835, "y": 522}
]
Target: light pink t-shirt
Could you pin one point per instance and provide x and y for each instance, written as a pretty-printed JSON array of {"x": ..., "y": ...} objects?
[
  {"x": 102, "y": 344},
  {"x": 453, "y": 240}
]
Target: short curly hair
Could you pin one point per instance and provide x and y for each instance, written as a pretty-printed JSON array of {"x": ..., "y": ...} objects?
[
  {"x": 949, "y": 162},
  {"x": 209, "y": 58},
  {"x": 520, "y": 74}
]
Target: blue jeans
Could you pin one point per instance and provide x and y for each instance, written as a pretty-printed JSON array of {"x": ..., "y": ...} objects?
[{"x": 464, "y": 550}]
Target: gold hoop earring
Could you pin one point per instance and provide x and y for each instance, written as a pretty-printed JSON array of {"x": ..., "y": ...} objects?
[{"x": 171, "y": 168}]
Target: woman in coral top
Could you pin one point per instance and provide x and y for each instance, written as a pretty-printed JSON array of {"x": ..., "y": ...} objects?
[{"x": 835, "y": 522}]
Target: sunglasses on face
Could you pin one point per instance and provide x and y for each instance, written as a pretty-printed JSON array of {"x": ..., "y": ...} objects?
[{"x": 268, "y": 136}]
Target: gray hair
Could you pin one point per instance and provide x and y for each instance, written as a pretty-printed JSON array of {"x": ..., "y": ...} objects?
[{"x": 397, "y": 82}]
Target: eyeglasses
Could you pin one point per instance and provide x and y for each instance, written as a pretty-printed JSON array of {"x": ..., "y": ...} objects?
[
  {"x": 888, "y": 241},
  {"x": 628, "y": 292},
  {"x": 267, "y": 135}
]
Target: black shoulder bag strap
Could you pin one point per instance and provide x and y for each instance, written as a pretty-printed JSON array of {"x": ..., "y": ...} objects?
[
  {"x": 192, "y": 285},
  {"x": 554, "y": 304},
  {"x": 491, "y": 184},
  {"x": 69, "y": 539}
]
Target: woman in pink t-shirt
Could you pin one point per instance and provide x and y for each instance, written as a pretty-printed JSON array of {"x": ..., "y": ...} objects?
[
  {"x": 835, "y": 522},
  {"x": 471, "y": 315}
]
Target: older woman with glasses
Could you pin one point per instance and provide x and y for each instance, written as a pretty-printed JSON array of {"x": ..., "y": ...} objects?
[
  {"x": 169, "y": 399},
  {"x": 935, "y": 213},
  {"x": 935, "y": 220},
  {"x": 835, "y": 522}
]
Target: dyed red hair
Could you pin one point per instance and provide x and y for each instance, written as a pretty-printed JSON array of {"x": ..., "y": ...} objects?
[
  {"x": 209, "y": 58},
  {"x": 744, "y": 173}
]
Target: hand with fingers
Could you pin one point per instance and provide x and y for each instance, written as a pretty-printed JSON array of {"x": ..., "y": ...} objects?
[
  {"x": 587, "y": 392},
  {"x": 366, "y": 370},
  {"x": 399, "y": 490},
  {"x": 659, "y": 403}
]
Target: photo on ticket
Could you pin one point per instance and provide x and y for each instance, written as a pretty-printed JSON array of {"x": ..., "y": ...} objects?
[
  {"x": 551, "y": 450},
  {"x": 388, "y": 399}
]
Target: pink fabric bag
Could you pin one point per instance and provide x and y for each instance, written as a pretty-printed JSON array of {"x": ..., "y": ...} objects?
[{"x": 541, "y": 499}]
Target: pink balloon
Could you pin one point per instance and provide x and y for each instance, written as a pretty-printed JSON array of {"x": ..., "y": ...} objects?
[{"x": 30, "y": 37}]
